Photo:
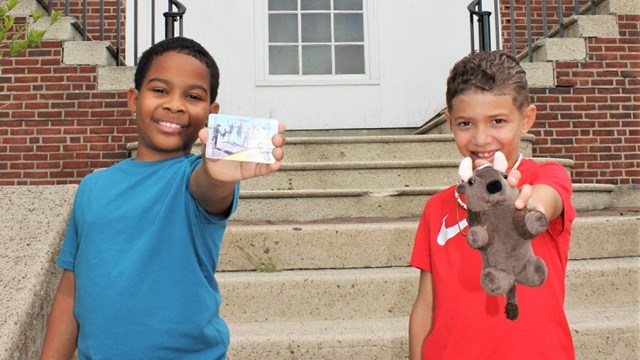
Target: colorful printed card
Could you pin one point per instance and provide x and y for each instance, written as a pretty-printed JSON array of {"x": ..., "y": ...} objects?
[{"x": 241, "y": 138}]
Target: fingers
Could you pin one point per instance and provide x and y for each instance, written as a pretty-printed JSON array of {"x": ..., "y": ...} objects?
[
  {"x": 279, "y": 141},
  {"x": 514, "y": 178},
  {"x": 524, "y": 196},
  {"x": 203, "y": 135}
]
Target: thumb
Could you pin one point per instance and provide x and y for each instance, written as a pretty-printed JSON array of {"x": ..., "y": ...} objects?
[{"x": 203, "y": 135}]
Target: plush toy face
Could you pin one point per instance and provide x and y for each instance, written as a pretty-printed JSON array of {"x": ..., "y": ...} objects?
[{"x": 486, "y": 189}]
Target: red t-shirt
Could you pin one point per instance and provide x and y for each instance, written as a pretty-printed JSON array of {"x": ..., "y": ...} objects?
[{"x": 468, "y": 323}]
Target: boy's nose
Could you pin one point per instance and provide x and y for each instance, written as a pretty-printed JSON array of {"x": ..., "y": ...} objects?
[
  {"x": 481, "y": 137},
  {"x": 174, "y": 103}
]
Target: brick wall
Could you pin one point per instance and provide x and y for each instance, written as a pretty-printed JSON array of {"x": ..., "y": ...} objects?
[
  {"x": 593, "y": 115},
  {"x": 55, "y": 126}
]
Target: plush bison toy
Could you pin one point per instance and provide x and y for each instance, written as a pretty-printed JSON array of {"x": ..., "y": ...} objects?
[{"x": 501, "y": 232}]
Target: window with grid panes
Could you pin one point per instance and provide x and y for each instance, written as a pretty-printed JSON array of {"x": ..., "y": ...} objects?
[{"x": 316, "y": 37}]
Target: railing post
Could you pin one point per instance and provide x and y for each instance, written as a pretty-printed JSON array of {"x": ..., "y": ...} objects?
[
  {"x": 172, "y": 17},
  {"x": 168, "y": 22},
  {"x": 484, "y": 23}
]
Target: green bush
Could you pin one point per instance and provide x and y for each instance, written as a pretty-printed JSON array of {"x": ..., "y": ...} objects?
[{"x": 21, "y": 39}]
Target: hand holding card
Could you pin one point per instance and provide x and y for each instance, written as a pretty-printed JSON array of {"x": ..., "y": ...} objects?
[{"x": 241, "y": 138}]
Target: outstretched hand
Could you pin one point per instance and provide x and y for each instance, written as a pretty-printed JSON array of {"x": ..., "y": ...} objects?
[
  {"x": 524, "y": 197},
  {"x": 231, "y": 171}
]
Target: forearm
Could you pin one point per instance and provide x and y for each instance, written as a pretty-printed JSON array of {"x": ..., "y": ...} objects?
[
  {"x": 548, "y": 198},
  {"x": 213, "y": 195},
  {"x": 420, "y": 319},
  {"x": 62, "y": 328},
  {"x": 418, "y": 329}
]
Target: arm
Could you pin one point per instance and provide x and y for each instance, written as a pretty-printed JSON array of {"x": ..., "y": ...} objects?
[
  {"x": 421, "y": 316},
  {"x": 213, "y": 182},
  {"x": 540, "y": 197},
  {"x": 62, "y": 328}
]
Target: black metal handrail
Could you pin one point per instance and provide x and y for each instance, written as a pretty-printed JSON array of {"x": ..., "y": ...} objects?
[
  {"x": 483, "y": 19},
  {"x": 484, "y": 31},
  {"x": 171, "y": 17}
]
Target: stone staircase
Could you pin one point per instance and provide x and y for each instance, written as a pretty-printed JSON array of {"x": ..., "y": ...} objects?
[
  {"x": 319, "y": 269},
  {"x": 314, "y": 263}
]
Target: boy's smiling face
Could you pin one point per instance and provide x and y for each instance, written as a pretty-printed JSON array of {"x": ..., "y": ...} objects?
[
  {"x": 171, "y": 107},
  {"x": 483, "y": 123}
]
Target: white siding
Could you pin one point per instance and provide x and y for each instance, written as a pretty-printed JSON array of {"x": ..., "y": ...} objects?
[{"x": 416, "y": 43}]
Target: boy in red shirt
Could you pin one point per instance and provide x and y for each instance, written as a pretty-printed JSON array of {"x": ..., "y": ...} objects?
[{"x": 488, "y": 110}]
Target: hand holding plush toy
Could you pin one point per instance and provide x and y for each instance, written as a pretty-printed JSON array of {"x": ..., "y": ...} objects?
[{"x": 501, "y": 232}]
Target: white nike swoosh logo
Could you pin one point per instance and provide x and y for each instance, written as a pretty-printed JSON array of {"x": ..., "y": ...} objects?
[{"x": 447, "y": 233}]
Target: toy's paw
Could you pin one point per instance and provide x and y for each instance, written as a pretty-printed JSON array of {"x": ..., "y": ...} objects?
[
  {"x": 496, "y": 282},
  {"x": 536, "y": 222},
  {"x": 477, "y": 237},
  {"x": 534, "y": 273}
]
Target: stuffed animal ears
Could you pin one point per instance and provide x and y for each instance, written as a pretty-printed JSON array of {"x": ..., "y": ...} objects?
[
  {"x": 500, "y": 161},
  {"x": 465, "y": 170}
]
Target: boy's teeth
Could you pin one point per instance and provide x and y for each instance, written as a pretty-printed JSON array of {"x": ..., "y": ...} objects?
[
  {"x": 485, "y": 155},
  {"x": 168, "y": 124}
]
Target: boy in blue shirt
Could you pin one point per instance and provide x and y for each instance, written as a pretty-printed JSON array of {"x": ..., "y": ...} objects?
[{"x": 142, "y": 244}]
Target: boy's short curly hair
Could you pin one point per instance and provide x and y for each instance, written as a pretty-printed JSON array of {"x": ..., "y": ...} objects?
[
  {"x": 180, "y": 45},
  {"x": 497, "y": 72}
]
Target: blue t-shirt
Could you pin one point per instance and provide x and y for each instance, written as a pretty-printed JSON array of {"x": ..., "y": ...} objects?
[{"x": 144, "y": 255}]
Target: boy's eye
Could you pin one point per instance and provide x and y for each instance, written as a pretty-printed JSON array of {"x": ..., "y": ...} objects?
[
  {"x": 159, "y": 90},
  {"x": 499, "y": 121},
  {"x": 194, "y": 97},
  {"x": 464, "y": 123}
]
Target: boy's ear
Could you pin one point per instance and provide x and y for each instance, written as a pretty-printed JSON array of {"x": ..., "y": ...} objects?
[
  {"x": 528, "y": 118},
  {"x": 132, "y": 100},
  {"x": 448, "y": 116},
  {"x": 215, "y": 107}
]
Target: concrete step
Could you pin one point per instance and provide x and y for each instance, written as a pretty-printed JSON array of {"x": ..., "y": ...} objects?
[
  {"x": 364, "y": 243},
  {"x": 88, "y": 53},
  {"x": 64, "y": 29},
  {"x": 371, "y": 148},
  {"x": 375, "y": 293},
  {"x": 605, "y": 236},
  {"x": 357, "y": 175},
  {"x": 603, "y": 283},
  {"x": 365, "y": 148},
  {"x": 597, "y": 334},
  {"x": 610, "y": 333},
  {"x": 314, "y": 204},
  {"x": 364, "y": 339},
  {"x": 620, "y": 7},
  {"x": 114, "y": 78},
  {"x": 366, "y": 175},
  {"x": 540, "y": 74},
  {"x": 588, "y": 26},
  {"x": 330, "y": 294},
  {"x": 560, "y": 49}
]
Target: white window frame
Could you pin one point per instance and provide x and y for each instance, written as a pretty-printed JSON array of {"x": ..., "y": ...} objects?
[{"x": 263, "y": 78}]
